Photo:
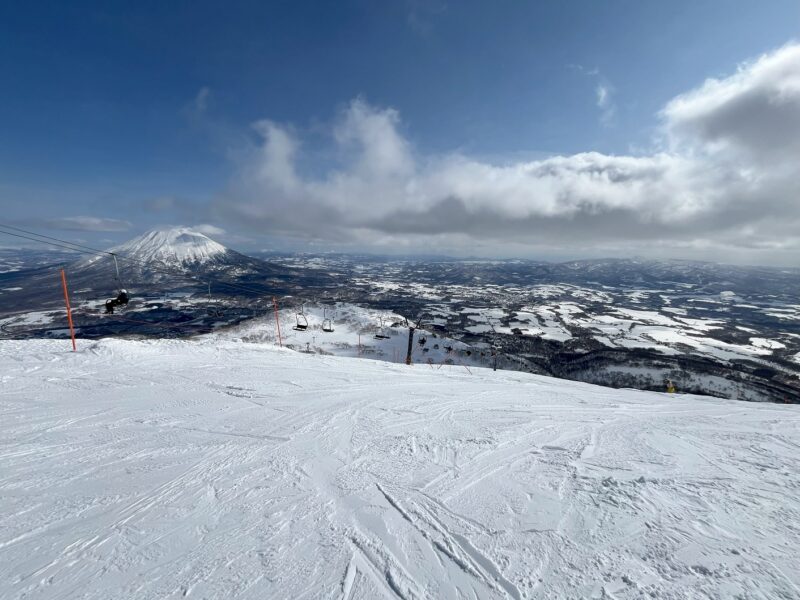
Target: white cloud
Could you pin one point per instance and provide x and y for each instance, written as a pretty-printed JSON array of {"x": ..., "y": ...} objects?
[
  {"x": 87, "y": 224},
  {"x": 207, "y": 229},
  {"x": 602, "y": 96},
  {"x": 605, "y": 103},
  {"x": 754, "y": 113},
  {"x": 603, "y": 91},
  {"x": 274, "y": 163},
  {"x": 727, "y": 179}
]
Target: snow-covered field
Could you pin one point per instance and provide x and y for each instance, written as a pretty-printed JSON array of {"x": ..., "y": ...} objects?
[
  {"x": 353, "y": 335},
  {"x": 217, "y": 469}
]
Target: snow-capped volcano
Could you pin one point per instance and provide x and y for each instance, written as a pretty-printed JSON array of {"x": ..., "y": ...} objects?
[
  {"x": 165, "y": 258},
  {"x": 182, "y": 258},
  {"x": 172, "y": 246}
]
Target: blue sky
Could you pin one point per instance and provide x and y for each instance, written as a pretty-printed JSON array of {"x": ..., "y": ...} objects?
[{"x": 143, "y": 114}]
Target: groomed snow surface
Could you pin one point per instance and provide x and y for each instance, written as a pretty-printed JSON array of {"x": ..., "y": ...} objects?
[{"x": 216, "y": 469}]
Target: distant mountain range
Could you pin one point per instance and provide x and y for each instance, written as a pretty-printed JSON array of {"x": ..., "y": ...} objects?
[
  {"x": 710, "y": 328},
  {"x": 183, "y": 259}
]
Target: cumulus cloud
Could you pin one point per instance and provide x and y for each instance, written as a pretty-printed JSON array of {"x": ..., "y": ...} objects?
[
  {"x": 87, "y": 224},
  {"x": 724, "y": 177},
  {"x": 754, "y": 113}
]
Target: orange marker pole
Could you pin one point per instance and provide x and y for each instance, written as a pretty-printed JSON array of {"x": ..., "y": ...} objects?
[
  {"x": 277, "y": 321},
  {"x": 69, "y": 310}
]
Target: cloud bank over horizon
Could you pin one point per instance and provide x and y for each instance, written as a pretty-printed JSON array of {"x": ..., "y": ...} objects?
[
  {"x": 84, "y": 223},
  {"x": 721, "y": 180}
]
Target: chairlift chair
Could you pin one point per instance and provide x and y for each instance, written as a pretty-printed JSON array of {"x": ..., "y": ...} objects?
[
  {"x": 327, "y": 323},
  {"x": 122, "y": 294},
  {"x": 215, "y": 312},
  {"x": 381, "y": 335},
  {"x": 302, "y": 322}
]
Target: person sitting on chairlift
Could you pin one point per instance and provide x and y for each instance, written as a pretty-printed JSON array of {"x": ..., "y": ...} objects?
[{"x": 120, "y": 300}]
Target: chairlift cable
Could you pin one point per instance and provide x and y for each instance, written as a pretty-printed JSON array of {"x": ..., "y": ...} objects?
[
  {"x": 48, "y": 237},
  {"x": 97, "y": 252},
  {"x": 45, "y": 242}
]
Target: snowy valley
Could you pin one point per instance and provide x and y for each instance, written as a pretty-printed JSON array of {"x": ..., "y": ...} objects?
[{"x": 731, "y": 332}]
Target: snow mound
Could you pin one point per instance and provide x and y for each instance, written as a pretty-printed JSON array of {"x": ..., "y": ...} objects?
[
  {"x": 174, "y": 246},
  {"x": 223, "y": 469}
]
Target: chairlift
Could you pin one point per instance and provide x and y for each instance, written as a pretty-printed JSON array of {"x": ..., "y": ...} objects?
[
  {"x": 302, "y": 322},
  {"x": 122, "y": 294},
  {"x": 213, "y": 310},
  {"x": 327, "y": 323},
  {"x": 381, "y": 335}
]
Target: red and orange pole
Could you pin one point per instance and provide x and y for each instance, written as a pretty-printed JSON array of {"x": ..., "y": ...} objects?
[{"x": 69, "y": 310}]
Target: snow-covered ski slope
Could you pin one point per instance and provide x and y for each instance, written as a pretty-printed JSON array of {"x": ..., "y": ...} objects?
[{"x": 215, "y": 469}]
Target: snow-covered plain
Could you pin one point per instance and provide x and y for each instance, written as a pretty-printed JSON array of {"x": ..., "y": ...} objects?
[{"x": 217, "y": 469}]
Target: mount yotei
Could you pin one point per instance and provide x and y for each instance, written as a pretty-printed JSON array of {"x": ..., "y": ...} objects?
[{"x": 174, "y": 257}]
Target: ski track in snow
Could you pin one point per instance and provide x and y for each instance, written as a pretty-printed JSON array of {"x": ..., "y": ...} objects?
[{"x": 216, "y": 469}]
